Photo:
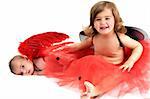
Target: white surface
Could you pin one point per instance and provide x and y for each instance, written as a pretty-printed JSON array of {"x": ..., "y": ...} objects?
[{"x": 20, "y": 19}]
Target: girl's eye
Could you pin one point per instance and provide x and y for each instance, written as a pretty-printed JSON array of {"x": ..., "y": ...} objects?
[
  {"x": 107, "y": 18},
  {"x": 98, "y": 19}
]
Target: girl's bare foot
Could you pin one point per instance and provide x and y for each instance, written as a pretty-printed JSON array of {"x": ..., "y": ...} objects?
[
  {"x": 87, "y": 97},
  {"x": 91, "y": 91}
]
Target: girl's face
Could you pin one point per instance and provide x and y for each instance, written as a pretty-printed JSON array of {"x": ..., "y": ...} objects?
[
  {"x": 104, "y": 22},
  {"x": 22, "y": 66}
]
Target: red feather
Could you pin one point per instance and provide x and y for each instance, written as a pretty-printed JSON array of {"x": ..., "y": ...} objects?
[{"x": 32, "y": 46}]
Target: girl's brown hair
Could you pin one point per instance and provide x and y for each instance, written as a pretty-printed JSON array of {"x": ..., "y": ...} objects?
[{"x": 98, "y": 8}]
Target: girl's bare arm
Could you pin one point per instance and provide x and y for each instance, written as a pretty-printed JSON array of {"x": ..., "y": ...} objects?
[
  {"x": 137, "y": 50},
  {"x": 78, "y": 46}
]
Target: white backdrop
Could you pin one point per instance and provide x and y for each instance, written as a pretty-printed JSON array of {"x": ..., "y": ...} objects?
[{"x": 20, "y": 19}]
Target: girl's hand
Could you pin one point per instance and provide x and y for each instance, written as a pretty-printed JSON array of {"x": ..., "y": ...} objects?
[
  {"x": 126, "y": 66},
  {"x": 91, "y": 92},
  {"x": 68, "y": 48}
]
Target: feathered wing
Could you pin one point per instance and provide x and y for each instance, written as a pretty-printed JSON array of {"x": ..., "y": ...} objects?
[{"x": 34, "y": 44}]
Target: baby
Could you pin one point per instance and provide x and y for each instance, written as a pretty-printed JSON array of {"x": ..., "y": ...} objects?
[
  {"x": 21, "y": 65},
  {"x": 51, "y": 64}
]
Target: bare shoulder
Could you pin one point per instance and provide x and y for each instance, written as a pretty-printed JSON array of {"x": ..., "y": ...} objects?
[
  {"x": 123, "y": 37},
  {"x": 127, "y": 41},
  {"x": 88, "y": 41}
]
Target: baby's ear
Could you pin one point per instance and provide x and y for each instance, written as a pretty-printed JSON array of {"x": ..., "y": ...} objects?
[{"x": 26, "y": 58}]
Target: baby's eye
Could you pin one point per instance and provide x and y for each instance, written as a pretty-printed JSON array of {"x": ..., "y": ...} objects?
[{"x": 22, "y": 66}]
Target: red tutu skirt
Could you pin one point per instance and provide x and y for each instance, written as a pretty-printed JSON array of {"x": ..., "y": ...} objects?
[
  {"x": 57, "y": 60},
  {"x": 78, "y": 67}
]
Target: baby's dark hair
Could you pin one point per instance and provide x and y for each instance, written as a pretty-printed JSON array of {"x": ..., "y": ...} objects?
[{"x": 11, "y": 66}]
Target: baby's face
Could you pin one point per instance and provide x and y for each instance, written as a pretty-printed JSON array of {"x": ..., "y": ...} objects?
[{"x": 22, "y": 66}]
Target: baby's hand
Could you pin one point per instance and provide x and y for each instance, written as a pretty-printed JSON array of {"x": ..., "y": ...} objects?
[
  {"x": 126, "y": 67},
  {"x": 91, "y": 92},
  {"x": 38, "y": 73},
  {"x": 40, "y": 63}
]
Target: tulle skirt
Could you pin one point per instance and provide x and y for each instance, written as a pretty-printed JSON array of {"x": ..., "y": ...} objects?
[
  {"x": 58, "y": 61},
  {"x": 78, "y": 67}
]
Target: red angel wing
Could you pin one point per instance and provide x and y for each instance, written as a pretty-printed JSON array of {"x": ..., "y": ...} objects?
[{"x": 34, "y": 44}]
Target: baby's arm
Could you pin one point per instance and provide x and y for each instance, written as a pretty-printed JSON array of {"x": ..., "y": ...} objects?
[
  {"x": 39, "y": 66},
  {"x": 137, "y": 50},
  {"x": 39, "y": 63}
]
